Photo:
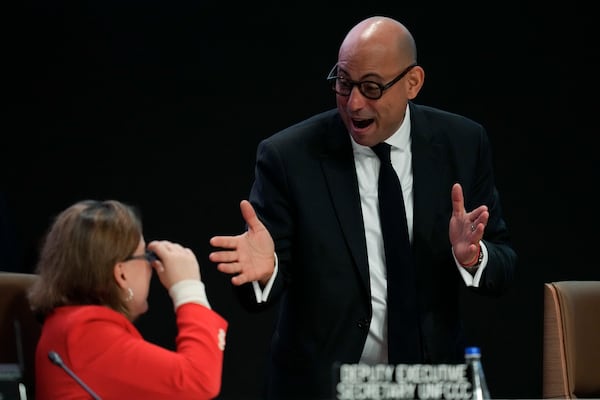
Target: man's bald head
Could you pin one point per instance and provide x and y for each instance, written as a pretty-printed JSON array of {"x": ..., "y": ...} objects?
[{"x": 383, "y": 32}]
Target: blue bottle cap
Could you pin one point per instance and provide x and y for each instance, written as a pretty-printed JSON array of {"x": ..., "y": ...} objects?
[{"x": 472, "y": 350}]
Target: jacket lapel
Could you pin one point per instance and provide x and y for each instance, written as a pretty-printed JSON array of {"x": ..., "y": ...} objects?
[
  {"x": 427, "y": 174},
  {"x": 337, "y": 161}
]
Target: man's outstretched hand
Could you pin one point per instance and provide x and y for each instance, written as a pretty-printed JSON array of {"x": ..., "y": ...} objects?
[{"x": 249, "y": 256}]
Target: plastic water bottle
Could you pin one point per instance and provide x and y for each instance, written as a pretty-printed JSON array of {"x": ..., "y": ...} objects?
[{"x": 479, "y": 387}]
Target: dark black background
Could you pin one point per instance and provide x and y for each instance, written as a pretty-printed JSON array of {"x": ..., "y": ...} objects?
[{"x": 161, "y": 104}]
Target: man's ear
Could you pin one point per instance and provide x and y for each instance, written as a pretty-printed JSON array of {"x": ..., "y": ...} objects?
[{"x": 414, "y": 81}]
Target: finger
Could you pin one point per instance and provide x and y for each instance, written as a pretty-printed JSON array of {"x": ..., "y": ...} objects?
[
  {"x": 239, "y": 280},
  {"x": 228, "y": 268},
  {"x": 223, "y": 256},
  {"x": 249, "y": 215},
  {"x": 479, "y": 216},
  {"x": 226, "y": 242},
  {"x": 484, "y": 217},
  {"x": 158, "y": 266},
  {"x": 473, "y": 248},
  {"x": 481, "y": 224},
  {"x": 476, "y": 213},
  {"x": 458, "y": 201}
]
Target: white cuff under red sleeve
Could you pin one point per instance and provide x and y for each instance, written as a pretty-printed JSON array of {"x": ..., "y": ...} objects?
[{"x": 188, "y": 291}]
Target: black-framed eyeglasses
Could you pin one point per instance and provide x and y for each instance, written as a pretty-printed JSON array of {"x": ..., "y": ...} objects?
[
  {"x": 148, "y": 255},
  {"x": 370, "y": 89}
]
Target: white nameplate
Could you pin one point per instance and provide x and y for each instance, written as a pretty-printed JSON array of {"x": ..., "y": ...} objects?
[{"x": 403, "y": 381}]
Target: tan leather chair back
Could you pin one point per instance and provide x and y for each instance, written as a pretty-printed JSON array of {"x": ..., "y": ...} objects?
[
  {"x": 17, "y": 323},
  {"x": 571, "y": 353}
]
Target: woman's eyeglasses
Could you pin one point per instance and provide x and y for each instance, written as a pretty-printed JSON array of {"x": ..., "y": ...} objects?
[{"x": 148, "y": 255}]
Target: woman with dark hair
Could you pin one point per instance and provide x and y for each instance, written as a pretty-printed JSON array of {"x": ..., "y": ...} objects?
[{"x": 95, "y": 270}]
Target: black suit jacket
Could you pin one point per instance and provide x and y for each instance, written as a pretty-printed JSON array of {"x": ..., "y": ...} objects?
[{"x": 306, "y": 193}]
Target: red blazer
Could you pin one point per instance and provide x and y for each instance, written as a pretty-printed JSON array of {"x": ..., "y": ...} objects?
[{"x": 108, "y": 353}]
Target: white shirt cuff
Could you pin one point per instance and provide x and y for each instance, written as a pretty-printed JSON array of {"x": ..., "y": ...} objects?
[
  {"x": 263, "y": 294},
  {"x": 473, "y": 280},
  {"x": 188, "y": 291}
]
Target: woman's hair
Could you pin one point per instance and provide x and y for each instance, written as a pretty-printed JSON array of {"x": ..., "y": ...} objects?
[{"x": 78, "y": 256}]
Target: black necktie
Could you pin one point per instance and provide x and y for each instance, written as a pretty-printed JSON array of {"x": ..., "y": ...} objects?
[{"x": 404, "y": 343}]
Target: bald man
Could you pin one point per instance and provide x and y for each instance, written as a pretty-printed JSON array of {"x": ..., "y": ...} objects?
[{"x": 314, "y": 243}]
